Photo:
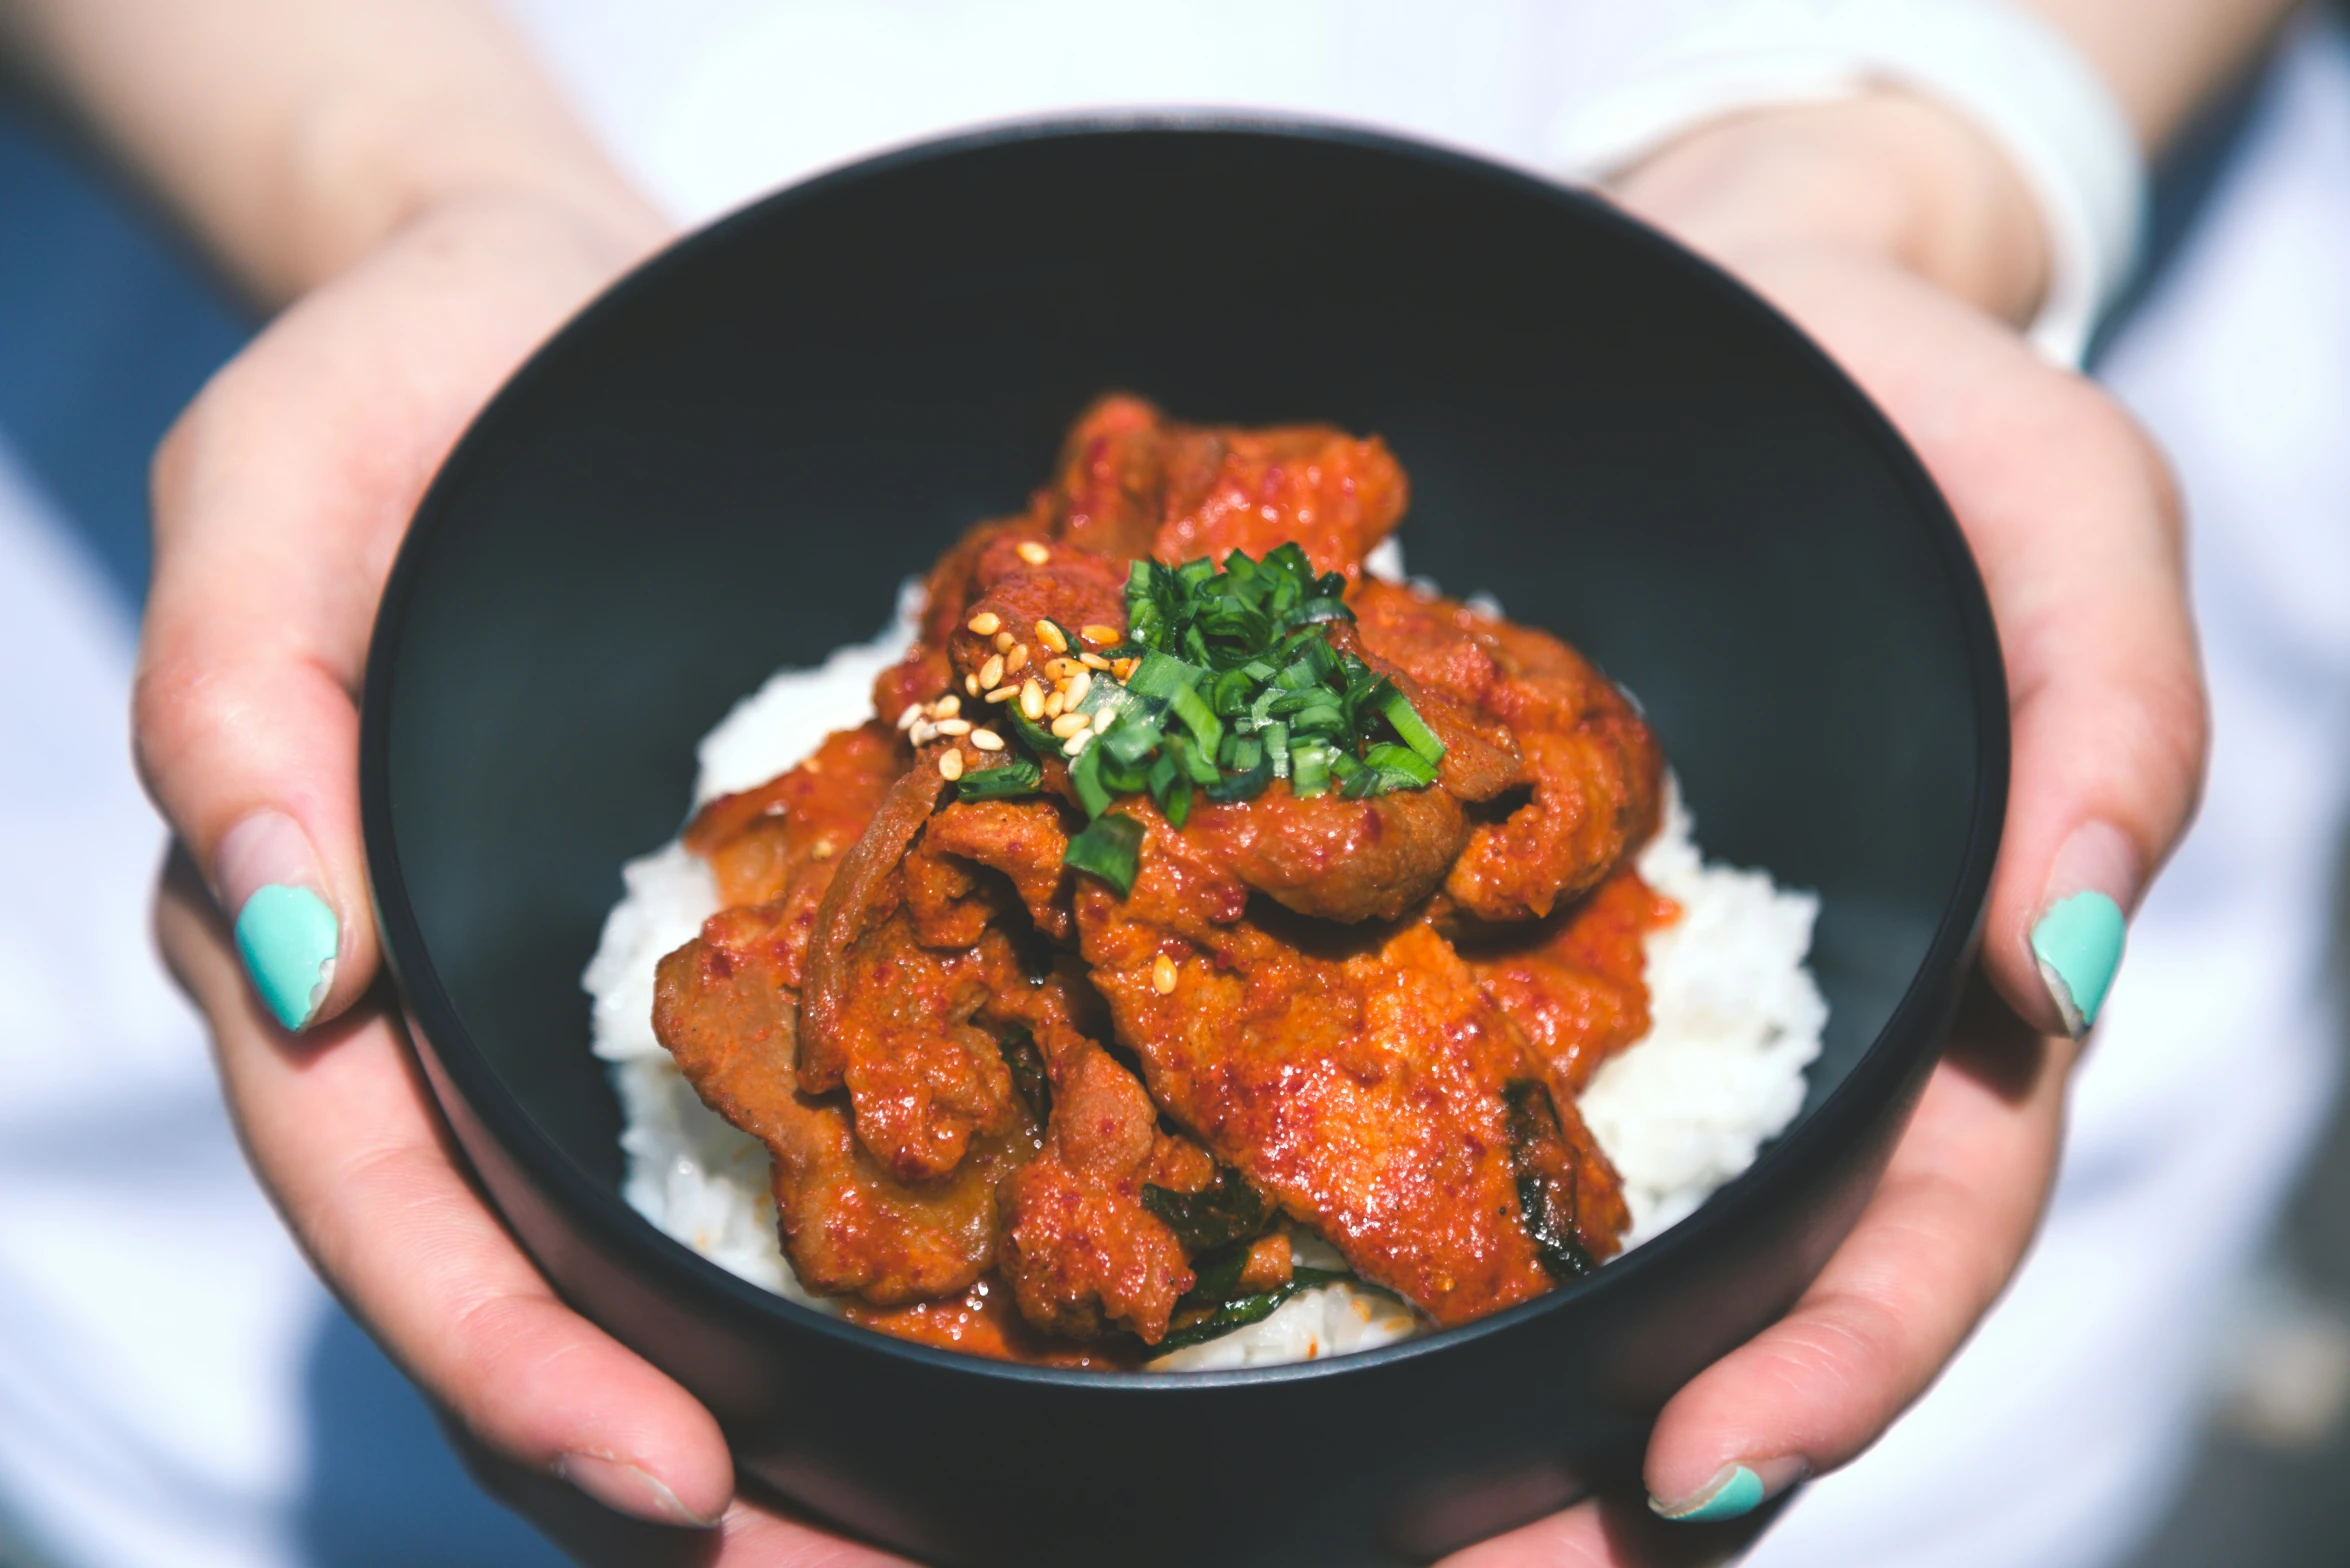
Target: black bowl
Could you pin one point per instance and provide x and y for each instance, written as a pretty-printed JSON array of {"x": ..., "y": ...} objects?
[{"x": 727, "y": 464}]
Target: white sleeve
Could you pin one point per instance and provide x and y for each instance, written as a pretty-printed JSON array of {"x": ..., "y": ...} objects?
[{"x": 2000, "y": 64}]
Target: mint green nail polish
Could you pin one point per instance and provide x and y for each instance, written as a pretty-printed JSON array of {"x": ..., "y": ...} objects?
[
  {"x": 1735, "y": 1493},
  {"x": 287, "y": 938},
  {"x": 2079, "y": 945}
]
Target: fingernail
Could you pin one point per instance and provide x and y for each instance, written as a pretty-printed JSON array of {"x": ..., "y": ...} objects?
[
  {"x": 1734, "y": 1492},
  {"x": 624, "y": 1488},
  {"x": 2077, "y": 941},
  {"x": 286, "y": 931}
]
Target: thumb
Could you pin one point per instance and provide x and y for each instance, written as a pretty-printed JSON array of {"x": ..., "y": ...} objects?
[
  {"x": 280, "y": 499},
  {"x": 2075, "y": 523},
  {"x": 2073, "y": 519},
  {"x": 252, "y": 757},
  {"x": 244, "y": 711}
]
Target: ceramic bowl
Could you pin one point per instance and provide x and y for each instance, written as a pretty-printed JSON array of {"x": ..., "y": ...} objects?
[{"x": 728, "y": 463}]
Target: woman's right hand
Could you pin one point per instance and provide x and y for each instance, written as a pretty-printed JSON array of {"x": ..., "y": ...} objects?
[{"x": 280, "y": 498}]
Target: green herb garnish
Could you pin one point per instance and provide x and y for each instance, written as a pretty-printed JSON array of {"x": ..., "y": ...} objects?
[
  {"x": 1533, "y": 1120},
  {"x": 1110, "y": 848},
  {"x": 1236, "y": 685},
  {"x": 1016, "y": 776},
  {"x": 1230, "y": 682},
  {"x": 1230, "y": 1210},
  {"x": 1240, "y": 1311},
  {"x": 1030, "y": 1080}
]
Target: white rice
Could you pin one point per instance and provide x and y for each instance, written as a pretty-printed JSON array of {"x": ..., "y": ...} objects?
[{"x": 1736, "y": 1015}]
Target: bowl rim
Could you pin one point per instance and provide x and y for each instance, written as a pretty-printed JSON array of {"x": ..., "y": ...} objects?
[{"x": 1908, "y": 1034}]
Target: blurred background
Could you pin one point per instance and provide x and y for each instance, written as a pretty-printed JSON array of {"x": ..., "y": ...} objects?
[{"x": 106, "y": 328}]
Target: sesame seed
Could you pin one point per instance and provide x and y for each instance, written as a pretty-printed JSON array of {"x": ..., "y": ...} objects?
[
  {"x": 1075, "y": 743},
  {"x": 1079, "y": 685},
  {"x": 971, "y": 684},
  {"x": 923, "y": 733},
  {"x": 1033, "y": 553},
  {"x": 954, "y": 726},
  {"x": 991, "y": 674},
  {"x": 1032, "y": 699},
  {"x": 1163, "y": 975},
  {"x": 1015, "y": 657},
  {"x": 1101, "y": 636},
  {"x": 1054, "y": 702},
  {"x": 1069, "y": 724},
  {"x": 1124, "y": 668},
  {"x": 1058, "y": 671},
  {"x": 907, "y": 718},
  {"x": 950, "y": 765},
  {"x": 987, "y": 740},
  {"x": 1003, "y": 693},
  {"x": 946, "y": 707},
  {"x": 822, "y": 849},
  {"x": 986, "y": 623},
  {"x": 1050, "y": 635},
  {"x": 1093, "y": 661}
]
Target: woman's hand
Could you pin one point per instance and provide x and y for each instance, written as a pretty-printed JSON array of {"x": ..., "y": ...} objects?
[
  {"x": 281, "y": 497},
  {"x": 544, "y": 1405},
  {"x": 2075, "y": 525}
]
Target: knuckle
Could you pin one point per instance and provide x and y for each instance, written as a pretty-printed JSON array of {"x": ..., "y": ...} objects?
[
  {"x": 175, "y": 473},
  {"x": 161, "y": 698},
  {"x": 182, "y": 707}
]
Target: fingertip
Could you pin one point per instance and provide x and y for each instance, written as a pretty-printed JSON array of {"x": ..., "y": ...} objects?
[
  {"x": 1733, "y": 1491},
  {"x": 629, "y": 1488},
  {"x": 307, "y": 952},
  {"x": 2063, "y": 941},
  {"x": 248, "y": 755}
]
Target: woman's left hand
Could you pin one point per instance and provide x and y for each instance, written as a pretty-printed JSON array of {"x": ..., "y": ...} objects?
[{"x": 2075, "y": 524}]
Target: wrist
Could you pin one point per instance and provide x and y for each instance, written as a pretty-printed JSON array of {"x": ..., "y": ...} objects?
[{"x": 1886, "y": 173}]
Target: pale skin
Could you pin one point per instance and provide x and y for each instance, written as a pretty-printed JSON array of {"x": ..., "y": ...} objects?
[{"x": 396, "y": 176}]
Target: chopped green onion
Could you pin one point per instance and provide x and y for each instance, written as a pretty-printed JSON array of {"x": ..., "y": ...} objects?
[
  {"x": 1085, "y": 777},
  {"x": 1162, "y": 675},
  {"x": 1235, "y": 684},
  {"x": 1122, "y": 778},
  {"x": 1110, "y": 848},
  {"x": 1411, "y": 727},
  {"x": 1243, "y": 786},
  {"x": 1030, "y": 1080},
  {"x": 1241, "y": 1311},
  {"x": 1133, "y": 737},
  {"x": 1017, "y": 776},
  {"x": 1227, "y": 1210},
  {"x": 1309, "y": 770},
  {"x": 1033, "y": 735},
  {"x": 1403, "y": 761},
  {"x": 1199, "y": 718},
  {"x": 1317, "y": 611},
  {"x": 1202, "y": 769},
  {"x": 1105, "y": 698}
]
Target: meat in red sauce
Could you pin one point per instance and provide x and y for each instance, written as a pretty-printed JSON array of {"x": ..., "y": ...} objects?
[{"x": 1014, "y": 1112}]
